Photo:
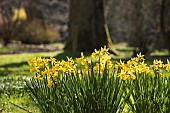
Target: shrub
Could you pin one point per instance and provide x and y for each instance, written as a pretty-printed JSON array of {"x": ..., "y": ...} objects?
[{"x": 35, "y": 33}]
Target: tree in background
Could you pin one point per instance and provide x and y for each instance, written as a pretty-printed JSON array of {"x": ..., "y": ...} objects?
[
  {"x": 145, "y": 25},
  {"x": 137, "y": 23},
  {"x": 86, "y": 25},
  {"x": 165, "y": 22},
  {"x": 142, "y": 26}
]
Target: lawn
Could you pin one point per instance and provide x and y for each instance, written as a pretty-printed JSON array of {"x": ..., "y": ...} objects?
[{"x": 13, "y": 68}]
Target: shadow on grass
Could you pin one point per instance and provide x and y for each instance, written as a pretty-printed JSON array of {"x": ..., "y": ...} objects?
[
  {"x": 13, "y": 65},
  {"x": 13, "y": 69},
  {"x": 23, "y": 68},
  {"x": 63, "y": 55},
  {"x": 164, "y": 58},
  {"x": 8, "y": 72},
  {"x": 148, "y": 59}
]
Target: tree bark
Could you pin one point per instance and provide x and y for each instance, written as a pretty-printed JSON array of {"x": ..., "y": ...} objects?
[
  {"x": 86, "y": 26},
  {"x": 162, "y": 18}
]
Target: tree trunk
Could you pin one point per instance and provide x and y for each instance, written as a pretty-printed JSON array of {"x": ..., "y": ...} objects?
[
  {"x": 136, "y": 23},
  {"x": 162, "y": 24},
  {"x": 165, "y": 23},
  {"x": 138, "y": 39},
  {"x": 86, "y": 26}
]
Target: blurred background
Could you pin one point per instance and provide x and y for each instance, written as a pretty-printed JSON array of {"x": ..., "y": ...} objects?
[{"x": 144, "y": 25}]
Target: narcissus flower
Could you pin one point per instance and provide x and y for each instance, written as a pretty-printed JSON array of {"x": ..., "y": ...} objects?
[
  {"x": 50, "y": 83},
  {"x": 157, "y": 64},
  {"x": 95, "y": 54},
  {"x": 53, "y": 69},
  {"x": 167, "y": 66},
  {"x": 104, "y": 51},
  {"x": 140, "y": 57}
]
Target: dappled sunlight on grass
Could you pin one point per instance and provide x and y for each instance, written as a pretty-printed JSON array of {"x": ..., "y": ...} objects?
[
  {"x": 17, "y": 58},
  {"x": 14, "y": 67},
  {"x": 16, "y": 64},
  {"x": 13, "y": 91}
]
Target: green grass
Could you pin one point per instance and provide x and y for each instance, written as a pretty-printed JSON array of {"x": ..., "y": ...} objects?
[
  {"x": 10, "y": 49},
  {"x": 17, "y": 104},
  {"x": 13, "y": 94},
  {"x": 16, "y": 64},
  {"x": 13, "y": 67}
]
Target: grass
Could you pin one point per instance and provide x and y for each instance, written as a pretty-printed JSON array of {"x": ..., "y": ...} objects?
[
  {"x": 16, "y": 64},
  {"x": 17, "y": 104},
  {"x": 13, "y": 67}
]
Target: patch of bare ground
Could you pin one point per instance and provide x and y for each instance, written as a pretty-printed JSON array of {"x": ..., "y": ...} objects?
[{"x": 31, "y": 48}]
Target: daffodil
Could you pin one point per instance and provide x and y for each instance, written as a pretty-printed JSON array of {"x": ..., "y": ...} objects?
[
  {"x": 132, "y": 76},
  {"x": 50, "y": 83},
  {"x": 32, "y": 62},
  {"x": 109, "y": 64},
  {"x": 86, "y": 70},
  {"x": 96, "y": 67},
  {"x": 142, "y": 68},
  {"x": 159, "y": 73},
  {"x": 104, "y": 51},
  {"x": 132, "y": 62},
  {"x": 52, "y": 60},
  {"x": 81, "y": 58},
  {"x": 56, "y": 67},
  {"x": 36, "y": 69},
  {"x": 38, "y": 77},
  {"x": 123, "y": 75},
  {"x": 157, "y": 64},
  {"x": 99, "y": 68},
  {"x": 95, "y": 54},
  {"x": 167, "y": 66},
  {"x": 140, "y": 57},
  {"x": 120, "y": 65},
  {"x": 152, "y": 73}
]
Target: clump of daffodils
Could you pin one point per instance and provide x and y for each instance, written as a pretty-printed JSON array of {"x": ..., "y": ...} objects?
[
  {"x": 99, "y": 63},
  {"x": 52, "y": 68},
  {"x": 133, "y": 67},
  {"x": 103, "y": 61}
]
